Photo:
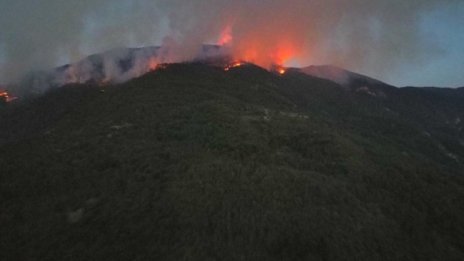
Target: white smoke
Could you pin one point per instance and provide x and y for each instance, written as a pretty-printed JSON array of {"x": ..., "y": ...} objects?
[
  {"x": 115, "y": 66},
  {"x": 374, "y": 35}
]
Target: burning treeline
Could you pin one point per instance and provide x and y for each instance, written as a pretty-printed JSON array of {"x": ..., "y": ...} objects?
[
  {"x": 120, "y": 65},
  {"x": 5, "y": 97},
  {"x": 271, "y": 34},
  {"x": 277, "y": 49},
  {"x": 362, "y": 35},
  {"x": 270, "y": 43}
]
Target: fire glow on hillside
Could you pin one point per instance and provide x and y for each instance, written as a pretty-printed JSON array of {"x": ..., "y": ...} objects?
[
  {"x": 5, "y": 96},
  {"x": 281, "y": 71},
  {"x": 233, "y": 65},
  {"x": 253, "y": 49},
  {"x": 231, "y": 50},
  {"x": 296, "y": 33},
  {"x": 153, "y": 65}
]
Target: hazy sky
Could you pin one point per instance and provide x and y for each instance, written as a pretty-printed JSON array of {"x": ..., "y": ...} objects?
[{"x": 414, "y": 42}]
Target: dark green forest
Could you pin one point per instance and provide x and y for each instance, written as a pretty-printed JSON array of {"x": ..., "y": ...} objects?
[{"x": 194, "y": 163}]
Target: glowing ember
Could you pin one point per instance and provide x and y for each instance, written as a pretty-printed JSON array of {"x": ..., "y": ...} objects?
[
  {"x": 5, "y": 97},
  {"x": 279, "y": 69},
  {"x": 233, "y": 65},
  {"x": 153, "y": 65}
]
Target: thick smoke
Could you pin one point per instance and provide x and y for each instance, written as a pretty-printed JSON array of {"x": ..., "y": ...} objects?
[{"x": 369, "y": 36}]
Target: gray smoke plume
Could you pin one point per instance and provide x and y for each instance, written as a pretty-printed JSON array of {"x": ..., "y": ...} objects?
[{"x": 366, "y": 35}]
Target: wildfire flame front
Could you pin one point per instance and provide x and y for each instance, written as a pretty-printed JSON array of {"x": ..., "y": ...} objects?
[{"x": 5, "y": 97}]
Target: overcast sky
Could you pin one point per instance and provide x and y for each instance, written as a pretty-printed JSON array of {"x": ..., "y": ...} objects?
[{"x": 414, "y": 42}]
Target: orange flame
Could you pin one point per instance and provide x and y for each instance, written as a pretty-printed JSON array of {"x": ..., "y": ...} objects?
[
  {"x": 272, "y": 59},
  {"x": 5, "y": 96},
  {"x": 226, "y": 36},
  {"x": 152, "y": 64},
  {"x": 281, "y": 71},
  {"x": 233, "y": 65},
  {"x": 266, "y": 47}
]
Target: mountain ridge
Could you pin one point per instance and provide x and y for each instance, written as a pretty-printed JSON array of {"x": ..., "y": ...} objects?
[
  {"x": 122, "y": 64},
  {"x": 194, "y": 162}
]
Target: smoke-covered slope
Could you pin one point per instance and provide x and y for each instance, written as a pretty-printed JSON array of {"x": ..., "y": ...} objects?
[
  {"x": 111, "y": 67},
  {"x": 192, "y": 162}
]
